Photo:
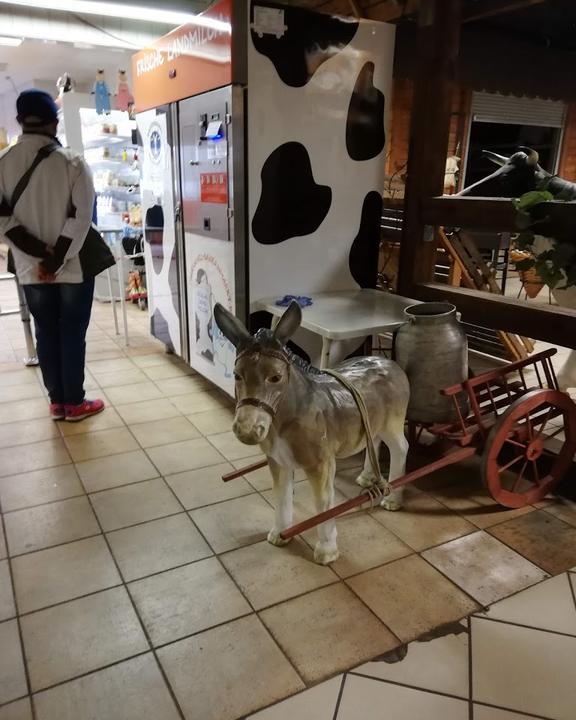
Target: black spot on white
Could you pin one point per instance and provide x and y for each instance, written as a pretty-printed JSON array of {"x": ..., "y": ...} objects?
[
  {"x": 291, "y": 203},
  {"x": 363, "y": 258},
  {"x": 365, "y": 135},
  {"x": 308, "y": 41}
]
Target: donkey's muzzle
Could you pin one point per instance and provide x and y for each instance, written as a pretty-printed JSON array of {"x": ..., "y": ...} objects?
[{"x": 252, "y": 422}]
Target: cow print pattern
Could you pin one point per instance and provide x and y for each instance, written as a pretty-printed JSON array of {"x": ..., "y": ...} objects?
[
  {"x": 365, "y": 136},
  {"x": 291, "y": 203},
  {"x": 310, "y": 39},
  {"x": 363, "y": 259}
]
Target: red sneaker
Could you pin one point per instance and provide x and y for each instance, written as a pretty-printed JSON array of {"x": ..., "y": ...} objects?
[
  {"x": 57, "y": 411},
  {"x": 75, "y": 413}
]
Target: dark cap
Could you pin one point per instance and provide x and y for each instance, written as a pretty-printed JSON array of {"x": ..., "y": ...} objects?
[{"x": 36, "y": 108}]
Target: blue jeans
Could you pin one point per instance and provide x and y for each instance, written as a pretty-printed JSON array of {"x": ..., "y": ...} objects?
[{"x": 61, "y": 313}]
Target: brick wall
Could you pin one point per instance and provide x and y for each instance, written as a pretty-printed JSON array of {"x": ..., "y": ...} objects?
[{"x": 567, "y": 166}]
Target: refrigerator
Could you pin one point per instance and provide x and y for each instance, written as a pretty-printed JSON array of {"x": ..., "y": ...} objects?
[{"x": 263, "y": 132}]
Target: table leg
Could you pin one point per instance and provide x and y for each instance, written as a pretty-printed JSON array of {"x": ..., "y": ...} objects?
[
  {"x": 120, "y": 269},
  {"x": 112, "y": 301},
  {"x": 325, "y": 358}
]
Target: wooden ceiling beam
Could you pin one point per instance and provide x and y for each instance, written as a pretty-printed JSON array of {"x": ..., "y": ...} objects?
[{"x": 484, "y": 9}]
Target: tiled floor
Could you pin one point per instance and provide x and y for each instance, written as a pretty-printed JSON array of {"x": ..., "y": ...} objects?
[{"x": 134, "y": 584}]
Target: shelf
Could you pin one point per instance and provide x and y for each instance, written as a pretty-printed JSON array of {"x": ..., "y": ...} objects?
[
  {"x": 109, "y": 164},
  {"x": 119, "y": 191},
  {"x": 108, "y": 139}
]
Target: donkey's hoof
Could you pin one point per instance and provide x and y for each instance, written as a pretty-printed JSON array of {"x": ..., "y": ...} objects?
[
  {"x": 391, "y": 503},
  {"x": 275, "y": 539},
  {"x": 365, "y": 480},
  {"x": 325, "y": 555}
]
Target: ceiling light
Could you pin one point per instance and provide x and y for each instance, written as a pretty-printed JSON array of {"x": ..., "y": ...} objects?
[
  {"x": 129, "y": 12},
  {"x": 11, "y": 41}
]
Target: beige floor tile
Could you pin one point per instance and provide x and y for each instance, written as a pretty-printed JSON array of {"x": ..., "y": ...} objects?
[
  {"x": 483, "y": 712},
  {"x": 485, "y": 568},
  {"x": 99, "y": 367},
  {"x": 562, "y": 508},
  {"x": 411, "y": 597},
  {"x": 13, "y": 393},
  {"x": 138, "y": 392},
  {"x": 261, "y": 479},
  {"x": 318, "y": 703},
  {"x": 131, "y": 504},
  {"x": 213, "y": 422},
  {"x": 177, "y": 386},
  {"x": 7, "y": 607},
  {"x": 547, "y": 606},
  {"x": 157, "y": 546},
  {"x": 46, "y": 525},
  {"x": 22, "y": 376},
  {"x": 131, "y": 690},
  {"x": 140, "y": 412},
  {"x": 19, "y": 710},
  {"x": 101, "y": 444},
  {"x": 363, "y": 544},
  {"x": 235, "y": 523},
  {"x": 167, "y": 371},
  {"x": 121, "y": 377},
  {"x": 230, "y": 447},
  {"x": 512, "y": 665},
  {"x": 362, "y": 695},
  {"x": 187, "y": 600},
  {"x": 547, "y": 541},
  {"x": 439, "y": 665},
  {"x": 108, "y": 472},
  {"x": 196, "y": 488},
  {"x": 29, "y": 431},
  {"x": 423, "y": 522},
  {"x": 229, "y": 671},
  {"x": 40, "y": 486},
  {"x": 82, "y": 635},
  {"x": 477, "y": 507},
  {"x": 63, "y": 573},
  {"x": 12, "y": 677},
  {"x": 186, "y": 455},
  {"x": 197, "y": 402},
  {"x": 162, "y": 432},
  {"x": 21, "y": 410},
  {"x": 155, "y": 360},
  {"x": 327, "y": 631},
  {"x": 103, "y": 421},
  {"x": 36, "y": 456},
  {"x": 269, "y": 575}
]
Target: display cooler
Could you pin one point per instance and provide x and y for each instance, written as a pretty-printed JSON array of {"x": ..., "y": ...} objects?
[{"x": 263, "y": 152}]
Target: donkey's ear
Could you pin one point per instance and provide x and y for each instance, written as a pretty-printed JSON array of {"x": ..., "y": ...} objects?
[
  {"x": 289, "y": 323},
  {"x": 230, "y": 326}
]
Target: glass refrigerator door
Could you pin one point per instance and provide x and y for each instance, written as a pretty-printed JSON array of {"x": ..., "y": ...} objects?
[{"x": 205, "y": 151}]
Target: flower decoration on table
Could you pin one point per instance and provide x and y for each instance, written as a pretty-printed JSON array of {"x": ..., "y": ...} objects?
[
  {"x": 548, "y": 249},
  {"x": 302, "y": 300}
]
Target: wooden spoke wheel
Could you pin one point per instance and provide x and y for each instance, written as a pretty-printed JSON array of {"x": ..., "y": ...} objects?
[{"x": 525, "y": 454}]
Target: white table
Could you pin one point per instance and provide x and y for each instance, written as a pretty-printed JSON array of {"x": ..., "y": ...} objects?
[{"x": 345, "y": 315}]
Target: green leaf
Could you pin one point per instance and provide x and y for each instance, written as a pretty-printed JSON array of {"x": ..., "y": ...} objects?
[{"x": 534, "y": 197}]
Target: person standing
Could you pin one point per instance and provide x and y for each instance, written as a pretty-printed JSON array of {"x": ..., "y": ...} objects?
[{"x": 47, "y": 200}]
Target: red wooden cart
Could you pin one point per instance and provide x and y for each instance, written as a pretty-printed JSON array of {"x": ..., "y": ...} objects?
[{"x": 514, "y": 417}]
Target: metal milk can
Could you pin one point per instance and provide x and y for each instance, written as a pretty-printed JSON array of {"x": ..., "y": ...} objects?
[{"x": 432, "y": 349}]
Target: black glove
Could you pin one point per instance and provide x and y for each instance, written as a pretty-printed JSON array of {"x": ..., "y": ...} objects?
[
  {"x": 27, "y": 243},
  {"x": 53, "y": 262}
]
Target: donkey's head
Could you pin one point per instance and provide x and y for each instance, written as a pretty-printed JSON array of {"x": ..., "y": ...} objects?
[{"x": 262, "y": 371}]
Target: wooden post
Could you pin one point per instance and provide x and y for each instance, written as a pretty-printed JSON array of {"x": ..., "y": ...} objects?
[{"x": 438, "y": 47}]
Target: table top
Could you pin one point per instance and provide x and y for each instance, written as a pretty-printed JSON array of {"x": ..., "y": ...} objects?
[{"x": 348, "y": 313}]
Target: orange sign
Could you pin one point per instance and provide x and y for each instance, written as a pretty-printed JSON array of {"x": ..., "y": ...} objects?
[
  {"x": 194, "y": 58},
  {"x": 214, "y": 188}
]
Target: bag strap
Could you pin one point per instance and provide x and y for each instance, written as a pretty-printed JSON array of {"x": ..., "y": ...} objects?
[{"x": 42, "y": 154}]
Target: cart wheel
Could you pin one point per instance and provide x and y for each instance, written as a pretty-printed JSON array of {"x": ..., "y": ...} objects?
[{"x": 522, "y": 461}]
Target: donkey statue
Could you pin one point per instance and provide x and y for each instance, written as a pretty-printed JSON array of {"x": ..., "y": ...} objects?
[{"x": 304, "y": 418}]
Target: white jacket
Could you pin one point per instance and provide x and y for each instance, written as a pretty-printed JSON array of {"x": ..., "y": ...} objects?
[{"x": 62, "y": 181}]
